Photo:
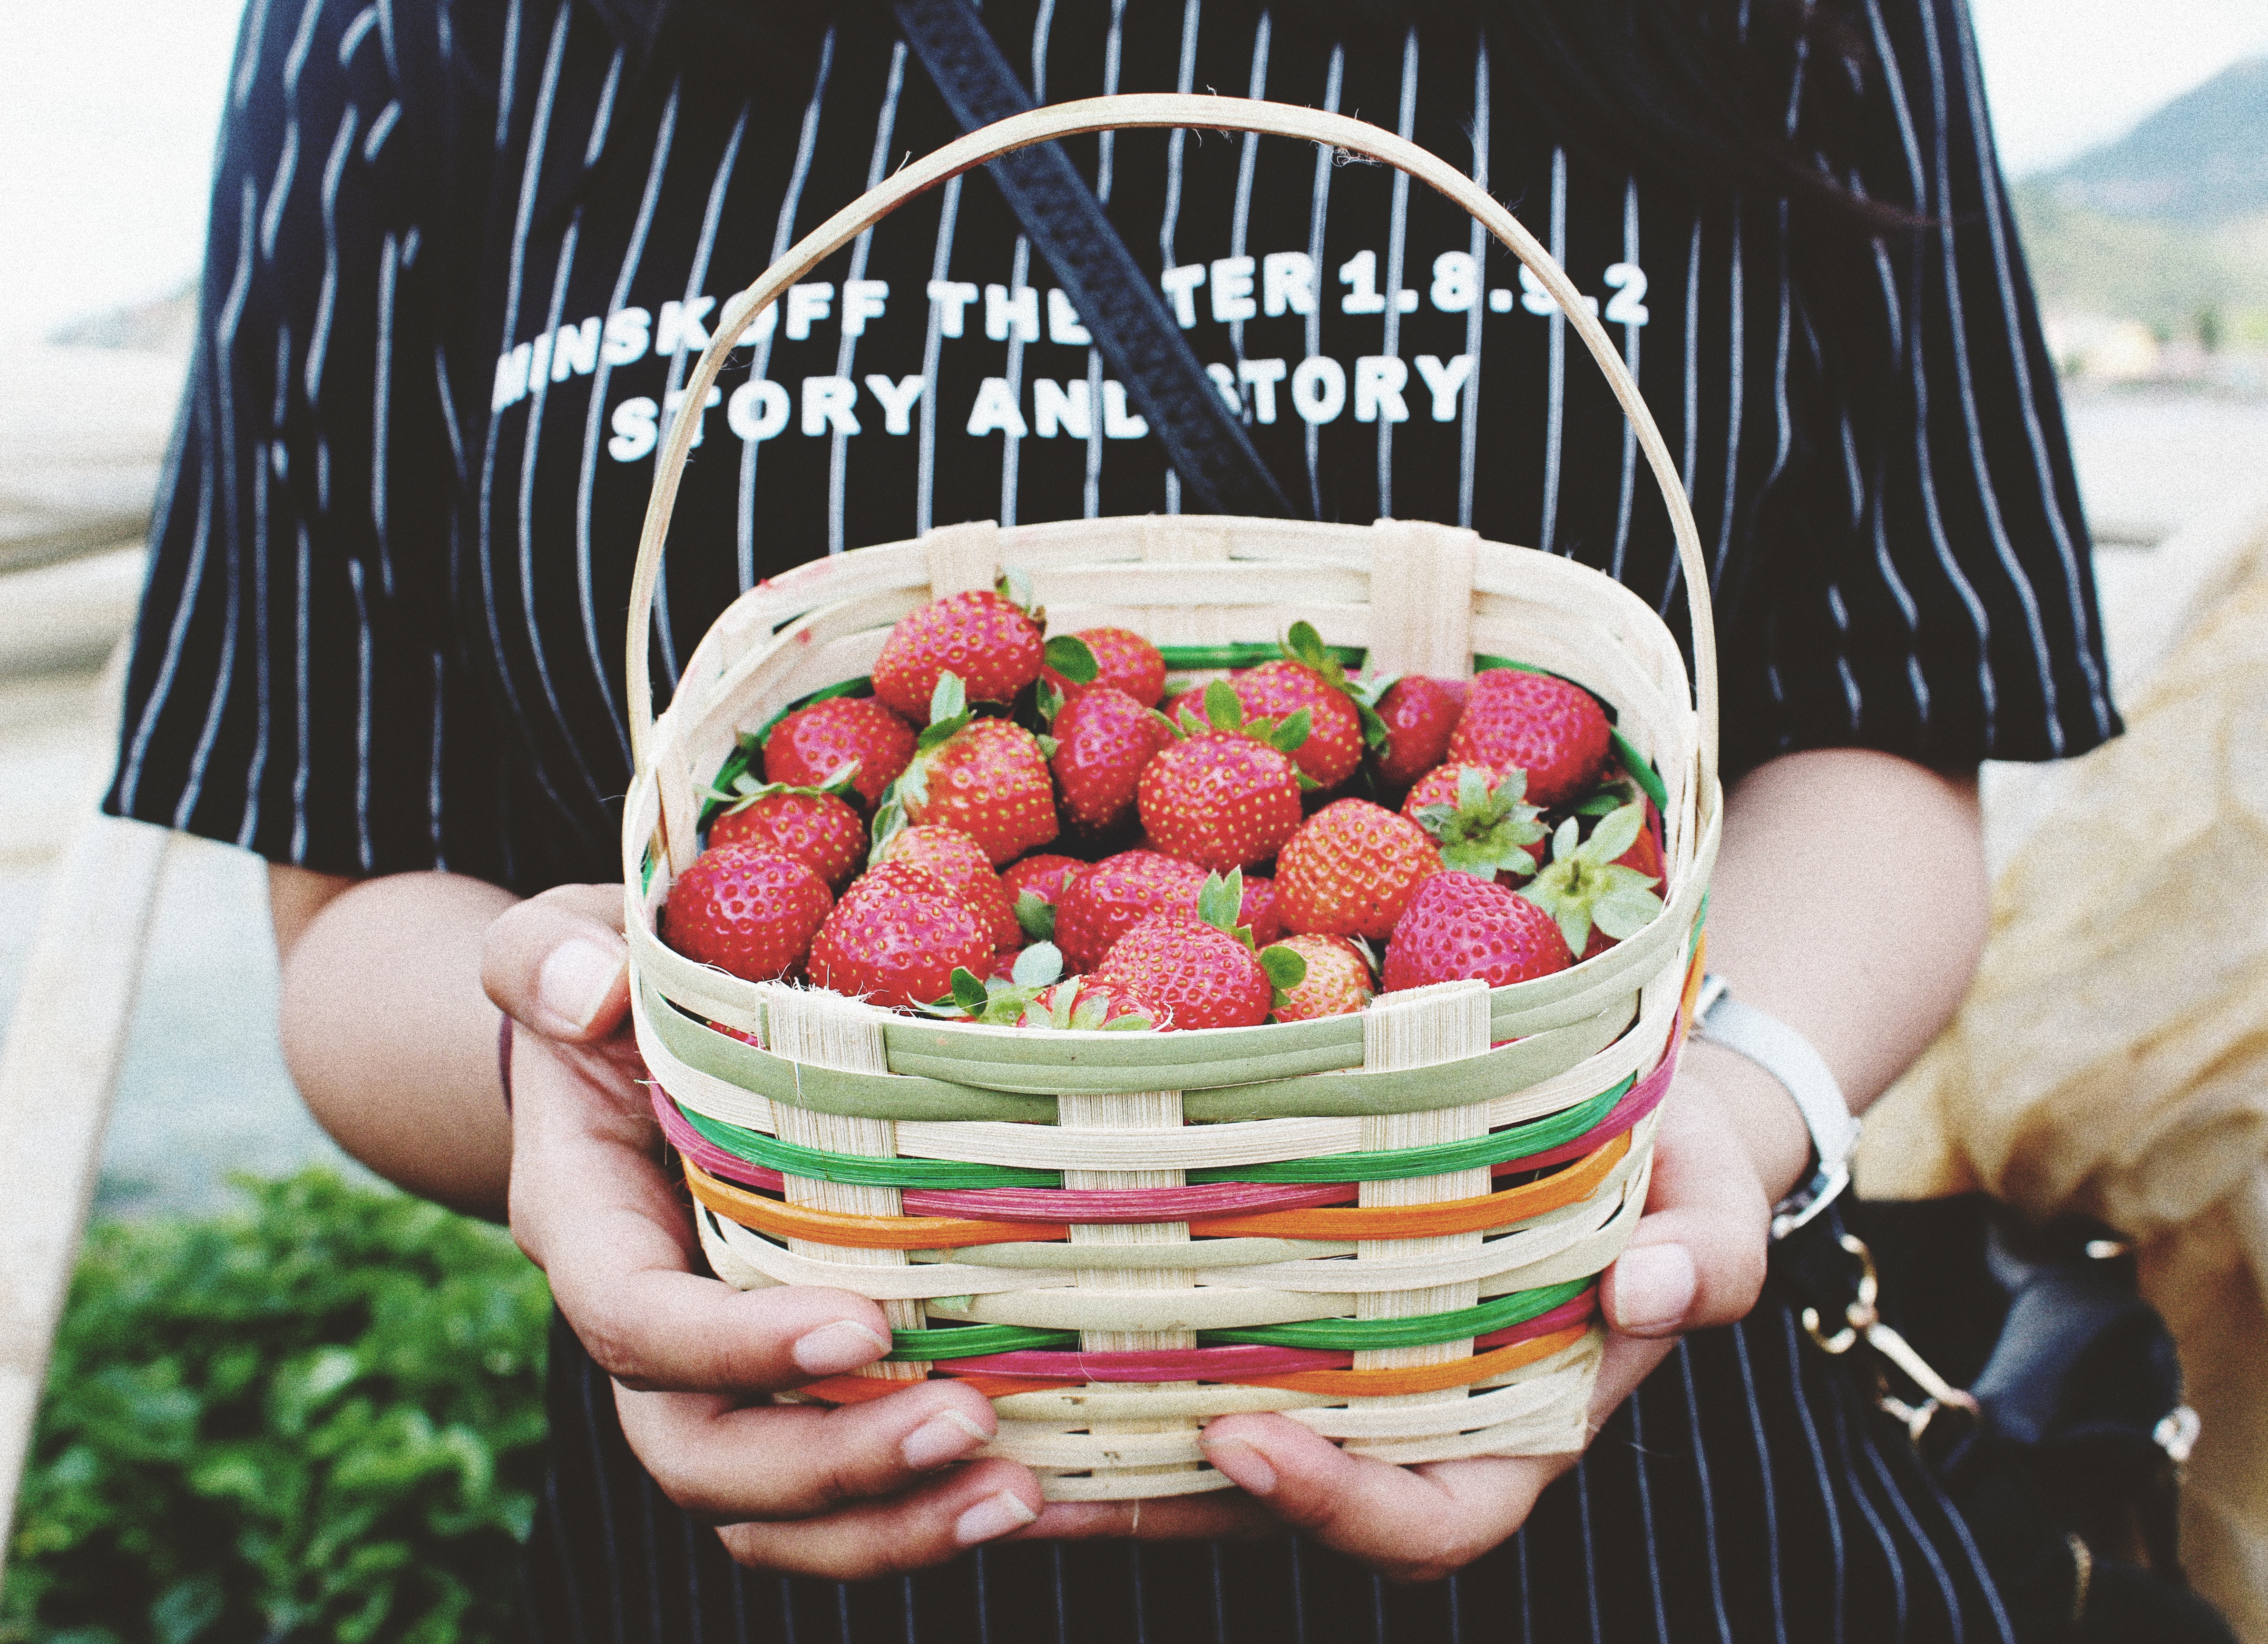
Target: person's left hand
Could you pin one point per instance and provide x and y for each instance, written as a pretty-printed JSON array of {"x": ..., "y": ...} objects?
[{"x": 1696, "y": 1259}]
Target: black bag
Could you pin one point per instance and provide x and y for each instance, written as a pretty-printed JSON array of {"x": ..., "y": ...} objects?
[{"x": 2063, "y": 1455}]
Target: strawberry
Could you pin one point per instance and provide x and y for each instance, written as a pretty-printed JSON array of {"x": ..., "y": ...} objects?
[
  {"x": 1352, "y": 868},
  {"x": 1457, "y": 926},
  {"x": 1480, "y": 820},
  {"x": 1198, "y": 968},
  {"x": 745, "y": 909},
  {"x": 998, "y": 999},
  {"x": 1554, "y": 731},
  {"x": 1123, "y": 660},
  {"x": 1089, "y": 1004},
  {"x": 896, "y": 937},
  {"x": 967, "y": 872},
  {"x": 1263, "y": 909},
  {"x": 1420, "y": 712},
  {"x": 814, "y": 825},
  {"x": 987, "y": 777},
  {"x": 810, "y": 747},
  {"x": 1596, "y": 899},
  {"x": 1226, "y": 799},
  {"x": 1275, "y": 690},
  {"x": 1115, "y": 895},
  {"x": 1102, "y": 741},
  {"x": 1032, "y": 886},
  {"x": 1338, "y": 982}
]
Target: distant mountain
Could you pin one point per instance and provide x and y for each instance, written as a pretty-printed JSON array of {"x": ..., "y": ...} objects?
[{"x": 2201, "y": 161}]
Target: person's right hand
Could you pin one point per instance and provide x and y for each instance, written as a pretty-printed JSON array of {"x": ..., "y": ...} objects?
[{"x": 865, "y": 1490}]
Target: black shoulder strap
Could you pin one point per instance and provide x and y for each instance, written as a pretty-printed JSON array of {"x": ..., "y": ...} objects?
[{"x": 1204, "y": 441}]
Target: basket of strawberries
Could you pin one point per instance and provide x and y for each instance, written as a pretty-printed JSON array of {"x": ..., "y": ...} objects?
[{"x": 1180, "y": 966}]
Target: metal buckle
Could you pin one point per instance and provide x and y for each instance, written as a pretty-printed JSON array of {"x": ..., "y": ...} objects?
[
  {"x": 1862, "y": 1318},
  {"x": 1824, "y": 1188}
]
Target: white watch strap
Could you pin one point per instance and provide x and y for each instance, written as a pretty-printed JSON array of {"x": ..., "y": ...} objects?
[{"x": 1789, "y": 1058}]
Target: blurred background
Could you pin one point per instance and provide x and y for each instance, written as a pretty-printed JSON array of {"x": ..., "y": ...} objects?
[{"x": 2136, "y": 136}]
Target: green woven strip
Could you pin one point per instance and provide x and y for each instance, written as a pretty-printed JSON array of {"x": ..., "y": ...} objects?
[
  {"x": 969, "y": 1341},
  {"x": 1242, "y": 654},
  {"x": 1438, "y": 1158},
  {"x": 1633, "y": 762}
]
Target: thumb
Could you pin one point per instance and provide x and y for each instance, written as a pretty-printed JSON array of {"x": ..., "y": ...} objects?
[
  {"x": 1698, "y": 1255},
  {"x": 557, "y": 964}
]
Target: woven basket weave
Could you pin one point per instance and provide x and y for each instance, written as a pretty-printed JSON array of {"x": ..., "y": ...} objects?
[{"x": 1115, "y": 1236}]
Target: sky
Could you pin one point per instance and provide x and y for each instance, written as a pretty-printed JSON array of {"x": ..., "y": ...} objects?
[{"x": 108, "y": 108}]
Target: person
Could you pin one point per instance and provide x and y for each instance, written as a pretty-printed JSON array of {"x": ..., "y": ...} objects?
[{"x": 459, "y": 255}]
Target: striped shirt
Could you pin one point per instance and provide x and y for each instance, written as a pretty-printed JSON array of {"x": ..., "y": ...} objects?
[{"x": 460, "y": 257}]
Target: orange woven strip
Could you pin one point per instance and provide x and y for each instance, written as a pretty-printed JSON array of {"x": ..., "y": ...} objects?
[
  {"x": 1424, "y": 1378},
  {"x": 1693, "y": 977},
  {"x": 857, "y": 1389},
  {"x": 1417, "y": 1221},
  {"x": 864, "y": 1233}
]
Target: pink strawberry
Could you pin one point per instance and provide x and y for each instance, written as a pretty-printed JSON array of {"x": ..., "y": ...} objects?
[
  {"x": 1263, "y": 911},
  {"x": 1482, "y": 820},
  {"x": 810, "y": 747},
  {"x": 896, "y": 937},
  {"x": 1201, "y": 974},
  {"x": 745, "y": 909},
  {"x": 1115, "y": 896},
  {"x": 1103, "y": 740},
  {"x": 990, "y": 642},
  {"x": 1457, "y": 926},
  {"x": 1032, "y": 886},
  {"x": 1277, "y": 690},
  {"x": 1588, "y": 889},
  {"x": 967, "y": 872},
  {"x": 1351, "y": 869},
  {"x": 1224, "y": 799},
  {"x": 987, "y": 777},
  {"x": 1338, "y": 982},
  {"x": 1124, "y": 661},
  {"x": 815, "y": 826},
  {"x": 1538, "y": 723},
  {"x": 1420, "y": 713}
]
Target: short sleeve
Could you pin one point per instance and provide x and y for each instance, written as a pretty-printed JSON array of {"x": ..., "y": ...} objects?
[
  {"x": 294, "y": 688},
  {"x": 1924, "y": 583}
]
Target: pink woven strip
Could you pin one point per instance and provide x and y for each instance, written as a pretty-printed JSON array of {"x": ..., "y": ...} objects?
[{"x": 1642, "y": 1099}]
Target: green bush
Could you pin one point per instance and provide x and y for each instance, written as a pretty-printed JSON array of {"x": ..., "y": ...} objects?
[{"x": 318, "y": 1417}]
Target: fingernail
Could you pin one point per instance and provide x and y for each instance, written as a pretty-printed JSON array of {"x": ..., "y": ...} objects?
[
  {"x": 947, "y": 1436},
  {"x": 1240, "y": 1461},
  {"x": 834, "y": 1348},
  {"x": 1653, "y": 1285},
  {"x": 994, "y": 1515},
  {"x": 576, "y": 979}
]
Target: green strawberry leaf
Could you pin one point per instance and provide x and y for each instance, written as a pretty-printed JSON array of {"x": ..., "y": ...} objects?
[
  {"x": 1286, "y": 968},
  {"x": 1047, "y": 700},
  {"x": 1222, "y": 706},
  {"x": 1489, "y": 830},
  {"x": 890, "y": 816},
  {"x": 1307, "y": 784},
  {"x": 1036, "y": 914},
  {"x": 1071, "y": 656},
  {"x": 1564, "y": 842},
  {"x": 1193, "y": 722},
  {"x": 1375, "y": 733},
  {"x": 968, "y": 989},
  {"x": 1048, "y": 746},
  {"x": 1087, "y": 1014},
  {"x": 1293, "y": 733},
  {"x": 1177, "y": 731},
  {"x": 1038, "y": 965},
  {"x": 1615, "y": 833},
  {"x": 1623, "y": 914},
  {"x": 1015, "y": 587},
  {"x": 1362, "y": 945},
  {"x": 1221, "y": 899},
  {"x": 1132, "y": 1021}
]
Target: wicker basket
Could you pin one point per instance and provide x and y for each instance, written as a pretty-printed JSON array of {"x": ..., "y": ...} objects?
[{"x": 1118, "y": 1236}]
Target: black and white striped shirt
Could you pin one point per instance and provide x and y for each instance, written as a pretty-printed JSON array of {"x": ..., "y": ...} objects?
[{"x": 460, "y": 253}]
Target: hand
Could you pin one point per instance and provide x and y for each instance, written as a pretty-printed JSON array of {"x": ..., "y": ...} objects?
[
  {"x": 1696, "y": 1259},
  {"x": 862, "y": 1490}
]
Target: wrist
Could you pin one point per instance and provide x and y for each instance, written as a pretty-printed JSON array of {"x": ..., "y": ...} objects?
[{"x": 1762, "y": 1114}]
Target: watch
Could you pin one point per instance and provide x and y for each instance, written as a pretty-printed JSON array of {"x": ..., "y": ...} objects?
[{"x": 1789, "y": 1058}]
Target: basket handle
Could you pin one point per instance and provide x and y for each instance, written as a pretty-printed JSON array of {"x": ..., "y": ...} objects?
[{"x": 1152, "y": 109}]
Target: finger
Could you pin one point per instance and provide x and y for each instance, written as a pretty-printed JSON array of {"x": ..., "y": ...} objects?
[
  {"x": 1215, "y": 1516},
  {"x": 1698, "y": 1255},
  {"x": 730, "y": 1463},
  {"x": 970, "y": 1505},
  {"x": 557, "y": 964},
  {"x": 593, "y": 1209},
  {"x": 1411, "y": 1524}
]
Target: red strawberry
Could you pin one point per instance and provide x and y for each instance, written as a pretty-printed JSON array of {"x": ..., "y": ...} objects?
[
  {"x": 1338, "y": 982},
  {"x": 1087, "y": 1004},
  {"x": 810, "y": 824},
  {"x": 1591, "y": 890},
  {"x": 1481, "y": 819},
  {"x": 897, "y": 938},
  {"x": 1102, "y": 741},
  {"x": 1032, "y": 886},
  {"x": 1200, "y": 973},
  {"x": 1115, "y": 896},
  {"x": 1554, "y": 731},
  {"x": 1224, "y": 799},
  {"x": 967, "y": 872},
  {"x": 809, "y": 748},
  {"x": 1124, "y": 661},
  {"x": 990, "y": 644},
  {"x": 1457, "y": 926},
  {"x": 986, "y": 778},
  {"x": 1420, "y": 713},
  {"x": 1350, "y": 869},
  {"x": 1277, "y": 690},
  {"x": 1262, "y": 911},
  {"x": 747, "y": 909}
]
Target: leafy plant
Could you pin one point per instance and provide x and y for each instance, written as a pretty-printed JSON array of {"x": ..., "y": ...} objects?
[{"x": 317, "y": 1417}]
